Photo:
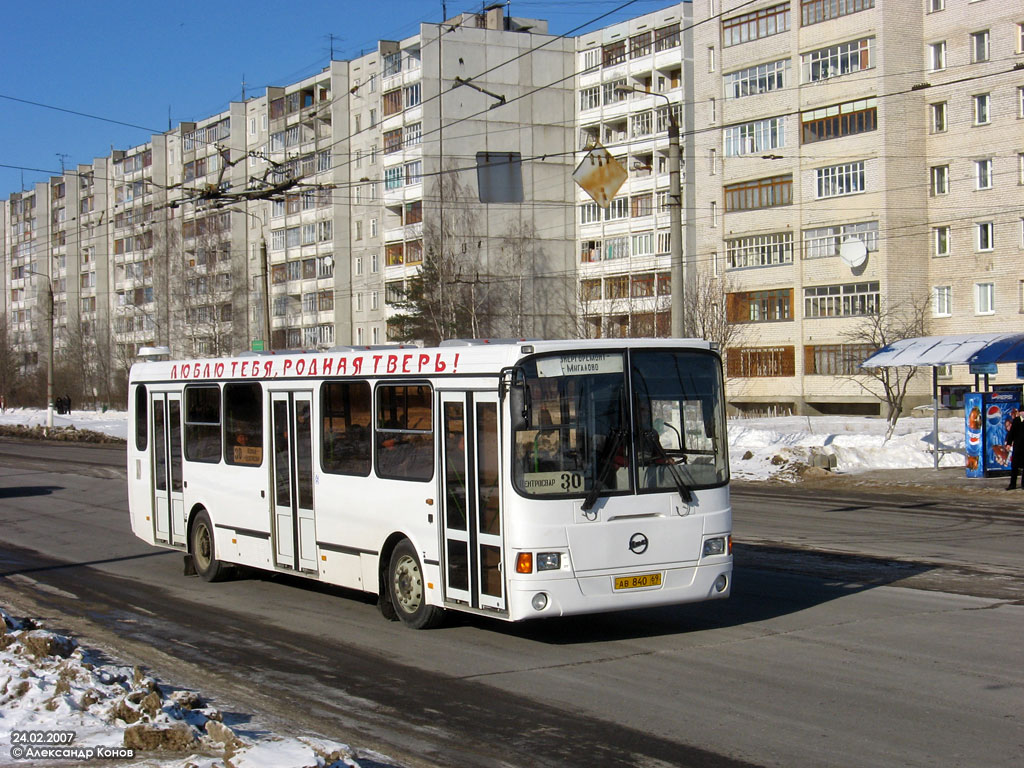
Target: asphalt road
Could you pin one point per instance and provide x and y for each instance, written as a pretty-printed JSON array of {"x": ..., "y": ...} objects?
[{"x": 863, "y": 630}]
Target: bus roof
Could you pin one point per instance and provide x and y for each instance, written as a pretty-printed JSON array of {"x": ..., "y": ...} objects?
[{"x": 466, "y": 357}]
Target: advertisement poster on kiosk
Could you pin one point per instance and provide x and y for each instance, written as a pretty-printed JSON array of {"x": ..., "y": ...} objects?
[{"x": 987, "y": 417}]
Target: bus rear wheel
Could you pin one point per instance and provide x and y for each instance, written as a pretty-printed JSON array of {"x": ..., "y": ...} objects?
[
  {"x": 407, "y": 589},
  {"x": 204, "y": 555}
]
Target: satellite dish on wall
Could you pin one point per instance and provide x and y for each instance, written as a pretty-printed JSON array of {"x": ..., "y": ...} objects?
[{"x": 853, "y": 252}]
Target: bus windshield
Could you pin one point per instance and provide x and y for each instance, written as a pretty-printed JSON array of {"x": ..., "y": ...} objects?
[{"x": 581, "y": 431}]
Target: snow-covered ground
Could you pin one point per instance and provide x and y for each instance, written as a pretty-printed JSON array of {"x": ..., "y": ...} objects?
[{"x": 759, "y": 449}]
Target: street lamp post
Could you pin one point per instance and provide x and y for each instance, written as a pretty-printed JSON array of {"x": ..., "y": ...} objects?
[
  {"x": 265, "y": 266},
  {"x": 675, "y": 213},
  {"x": 49, "y": 356}
]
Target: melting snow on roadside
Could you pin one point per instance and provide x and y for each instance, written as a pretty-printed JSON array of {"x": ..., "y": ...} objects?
[{"x": 51, "y": 686}]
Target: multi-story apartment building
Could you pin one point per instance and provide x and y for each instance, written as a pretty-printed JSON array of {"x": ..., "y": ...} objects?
[{"x": 841, "y": 159}]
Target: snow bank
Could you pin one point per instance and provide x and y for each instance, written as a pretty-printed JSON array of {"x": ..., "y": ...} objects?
[{"x": 51, "y": 688}]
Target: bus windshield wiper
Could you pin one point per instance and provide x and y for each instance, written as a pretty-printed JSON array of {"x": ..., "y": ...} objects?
[
  {"x": 611, "y": 449},
  {"x": 659, "y": 450}
]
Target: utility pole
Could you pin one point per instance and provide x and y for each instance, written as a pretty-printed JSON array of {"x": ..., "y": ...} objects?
[
  {"x": 268, "y": 344},
  {"x": 49, "y": 352},
  {"x": 675, "y": 195}
]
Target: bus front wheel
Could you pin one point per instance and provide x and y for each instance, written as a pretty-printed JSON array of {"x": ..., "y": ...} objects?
[
  {"x": 204, "y": 556},
  {"x": 407, "y": 588}
]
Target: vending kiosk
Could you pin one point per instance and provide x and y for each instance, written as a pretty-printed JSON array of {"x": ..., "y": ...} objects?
[{"x": 987, "y": 418}]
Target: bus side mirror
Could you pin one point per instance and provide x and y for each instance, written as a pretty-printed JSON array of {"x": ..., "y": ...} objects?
[{"x": 519, "y": 406}]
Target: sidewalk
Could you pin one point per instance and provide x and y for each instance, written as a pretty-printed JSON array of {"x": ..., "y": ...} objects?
[{"x": 945, "y": 481}]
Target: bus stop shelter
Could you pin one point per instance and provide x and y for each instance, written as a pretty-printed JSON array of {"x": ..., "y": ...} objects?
[{"x": 979, "y": 350}]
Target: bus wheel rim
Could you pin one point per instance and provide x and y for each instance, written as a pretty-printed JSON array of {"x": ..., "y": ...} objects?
[
  {"x": 408, "y": 584},
  {"x": 203, "y": 546}
]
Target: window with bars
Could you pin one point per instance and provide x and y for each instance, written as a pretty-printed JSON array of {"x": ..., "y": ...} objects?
[
  {"x": 839, "y": 120},
  {"x": 847, "y": 300},
  {"x": 413, "y": 134},
  {"x": 759, "y": 250},
  {"x": 760, "y": 362},
  {"x": 751, "y": 81},
  {"x": 838, "y": 180},
  {"x": 836, "y": 359},
  {"x": 755, "y": 25},
  {"x": 759, "y": 193}
]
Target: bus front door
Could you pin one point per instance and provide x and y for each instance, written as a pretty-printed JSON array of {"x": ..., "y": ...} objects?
[
  {"x": 294, "y": 519},
  {"x": 472, "y": 509},
  {"x": 169, "y": 521}
]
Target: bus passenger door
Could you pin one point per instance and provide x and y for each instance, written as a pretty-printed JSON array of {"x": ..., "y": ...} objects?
[
  {"x": 294, "y": 519},
  {"x": 169, "y": 521},
  {"x": 472, "y": 508}
]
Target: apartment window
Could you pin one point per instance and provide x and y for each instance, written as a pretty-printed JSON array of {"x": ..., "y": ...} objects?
[
  {"x": 983, "y": 174},
  {"x": 712, "y": 161},
  {"x": 640, "y": 45},
  {"x": 711, "y": 58},
  {"x": 937, "y": 56},
  {"x": 412, "y": 134},
  {"x": 838, "y": 60},
  {"x": 755, "y": 25},
  {"x": 374, "y": 263},
  {"x": 591, "y": 59},
  {"x": 618, "y": 209},
  {"x": 759, "y": 250},
  {"x": 823, "y": 242},
  {"x": 940, "y": 180},
  {"x": 616, "y": 248},
  {"x": 839, "y": 120},
  {"x": 374, "y": 300},
  {"x": 590, "y": 213},
  {"x": 939, "y": 123},
  {"x": 838, "y": 180},
  {"x": 940, "y": 236},
  {"x": 412, "y": 95},
  {"x": 934, "y": 6},
  {"x": 982, "y": 102},
  {"x": 643, "y": 244},
  {"x": 846, "y": 300},
  {"x": 414, "y": 172},
  {"x": 942, "y": 300},
  {"x": 590, "y": 98},
  {"x": 816, "y": 11},
  {"x": 641, "y": 124},
  {"x": 984, "y": 298},
  {"x": 614, "y": 91},
  {"x": 760, "y": 306},
  {"x": 391, "y": 64},
  {"x": 760, "y": 362},
  {"x": 1020, "y": 38},
  {"x": 393, "y": 177},
  {"x": 1020, "y": 167},
  {"x": 755, "y": 137},
  {"x": 979, "y": 46},
  {"x": 985, "y": 239},
  {"x": 759, "y": 193},
  {"x": 836, "y": 359},
  {"x": 714, "y": 214},
  {"x": 641, "y": 205},
  {"x": 755, "y": 80},
  {"x": 391, "y": 102},
  {"x": 666, "y": 37},
  {"x": 613, "y": 53},
  {"x": 392, "y": 141},
  {"x": 1020, "y": 101}
]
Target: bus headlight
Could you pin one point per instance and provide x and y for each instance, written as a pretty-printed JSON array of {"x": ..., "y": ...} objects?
[
  {"x": 539, "y": 601},
  {"x": 549, "y": 561},
  {"x": 715, "y": 546}
]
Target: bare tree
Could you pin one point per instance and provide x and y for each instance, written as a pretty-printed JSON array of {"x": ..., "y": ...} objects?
[
  {"x": 706, "y": 316},
  {"x": 892, "y": 322}
]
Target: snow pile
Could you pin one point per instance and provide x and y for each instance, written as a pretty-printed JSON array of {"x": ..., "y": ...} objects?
[
  {"x": 780, "y": 448},
  {"x": 71, "y": 708}
]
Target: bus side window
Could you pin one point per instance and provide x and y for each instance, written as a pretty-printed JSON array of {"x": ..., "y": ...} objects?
[
  {"x": 243, "y": 424},
  {"x": 404, "y": 432},
  {"x": 202, "y": 423},
  {"x": 141, "y": 417},
  {"x": 345, "y": 412}
]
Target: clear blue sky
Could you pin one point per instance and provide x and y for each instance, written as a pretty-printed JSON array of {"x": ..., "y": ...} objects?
[{"x": 140, "y": 62}]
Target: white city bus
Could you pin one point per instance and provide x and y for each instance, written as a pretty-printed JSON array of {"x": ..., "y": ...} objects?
[{"x": 514, "y": 479}]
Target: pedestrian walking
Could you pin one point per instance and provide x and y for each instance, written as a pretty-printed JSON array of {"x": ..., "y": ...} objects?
[{"x": 1015, "y": 442}]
